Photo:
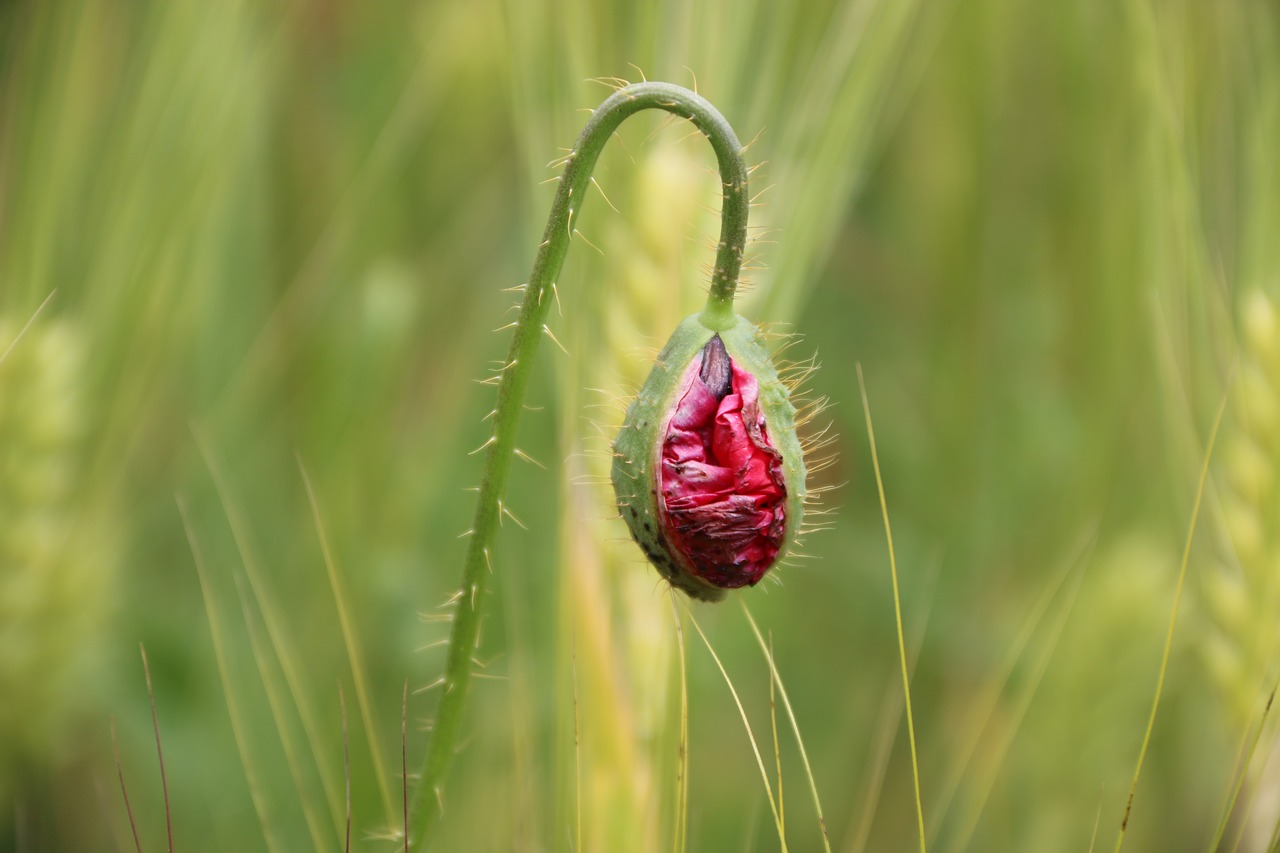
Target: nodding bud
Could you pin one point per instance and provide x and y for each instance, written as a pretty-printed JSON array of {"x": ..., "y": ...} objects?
[{"x": 708, "y": 471}]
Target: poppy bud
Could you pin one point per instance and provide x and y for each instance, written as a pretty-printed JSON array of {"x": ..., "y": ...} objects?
[{"x": 708, "y": 471}]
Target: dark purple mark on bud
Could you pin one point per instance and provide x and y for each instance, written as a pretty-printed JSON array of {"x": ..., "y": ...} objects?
[
  {"x": 722, "y": 501},
  {"x": 717, "y": 368}
]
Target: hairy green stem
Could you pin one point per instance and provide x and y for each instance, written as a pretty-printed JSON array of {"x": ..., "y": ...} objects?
[{"x": 513, "y": 379}]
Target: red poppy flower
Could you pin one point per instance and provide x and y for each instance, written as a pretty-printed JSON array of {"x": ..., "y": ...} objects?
[{"x": 722, "y": 500}]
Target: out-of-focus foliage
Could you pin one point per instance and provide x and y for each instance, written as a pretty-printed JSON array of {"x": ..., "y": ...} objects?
[{"x": 273, "y": 239}]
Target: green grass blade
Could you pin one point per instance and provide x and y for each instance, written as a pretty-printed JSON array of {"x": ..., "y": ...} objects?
[
  {"x": 1173, "y": 617},
  {"x": 292, "y": 663},
  {"x": 239, "y": 724},
  {"x": 897, "y": 609},
  {"x": 755, "y": 747},
  {"x": 351, "y": 642},
  {"x": 262, "y": 655},
  {"x": 680, "y": 826},
  {"x": 776, "y": 679}
]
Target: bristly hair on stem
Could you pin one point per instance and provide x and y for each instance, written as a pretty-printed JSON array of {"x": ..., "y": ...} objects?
[{"x": 513, "y": 379}]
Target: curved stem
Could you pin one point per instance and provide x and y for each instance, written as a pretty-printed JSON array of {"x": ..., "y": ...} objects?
[{"x": 514, "y": 376}]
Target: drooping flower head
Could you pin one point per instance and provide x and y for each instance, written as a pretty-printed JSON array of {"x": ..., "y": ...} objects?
[{"x": 707, "y": 469}]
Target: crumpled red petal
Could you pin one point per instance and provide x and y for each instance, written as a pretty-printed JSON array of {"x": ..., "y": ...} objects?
[{"x": 722, "y": 500}]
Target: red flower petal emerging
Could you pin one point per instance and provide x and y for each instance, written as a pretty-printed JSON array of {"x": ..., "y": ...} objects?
[{"x": 722, "y": 501}]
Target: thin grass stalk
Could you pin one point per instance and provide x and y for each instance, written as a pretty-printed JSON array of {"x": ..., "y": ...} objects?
[
  {"x": 292, "y": 661},
  {"x": 262, "y": 655},
  {"x": 1244, "y": 762},
  {"x": 681, "y": 824},
  {"x": 897, "y": 609},
  {"x": 989, "y": 698},
  {"x": 239, "y": 722},
  {"x": 351, "y": 643},
  {"x": 155, "y": 727},
  {"x": 776, "y": 681},
  {"x": 777, "y": 747},
  {"x": 1173, "y": 621},
  {"x": 1021, "y": 705},
  {"x": 774, "y": 805}
]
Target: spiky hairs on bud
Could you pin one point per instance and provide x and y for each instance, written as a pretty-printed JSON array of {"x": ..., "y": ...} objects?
[{"x": 705, "y": 559}]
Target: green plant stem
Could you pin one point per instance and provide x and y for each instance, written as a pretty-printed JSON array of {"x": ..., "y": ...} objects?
[{"x": 513, "y": 377}]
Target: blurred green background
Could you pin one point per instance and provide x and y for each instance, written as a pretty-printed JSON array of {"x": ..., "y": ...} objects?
[{"x": 250, "y": 258}]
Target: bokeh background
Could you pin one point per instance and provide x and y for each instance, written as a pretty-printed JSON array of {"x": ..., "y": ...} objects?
[{"x": 250, "y": 258}]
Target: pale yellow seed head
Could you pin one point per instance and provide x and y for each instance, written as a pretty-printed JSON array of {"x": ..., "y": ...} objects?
[
  {"x": 1257, "y": 401},
  {"x": 1261, "y": 328},
  {"x": 1249, "y": 470},
  {"x": 57, "y": 554},
  {"x": 1221, "y": 655},
  {"x": 674, "y": 192},
  {"x": 1227, "y": 596},
  {"x": 1244, "y": 528}
]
